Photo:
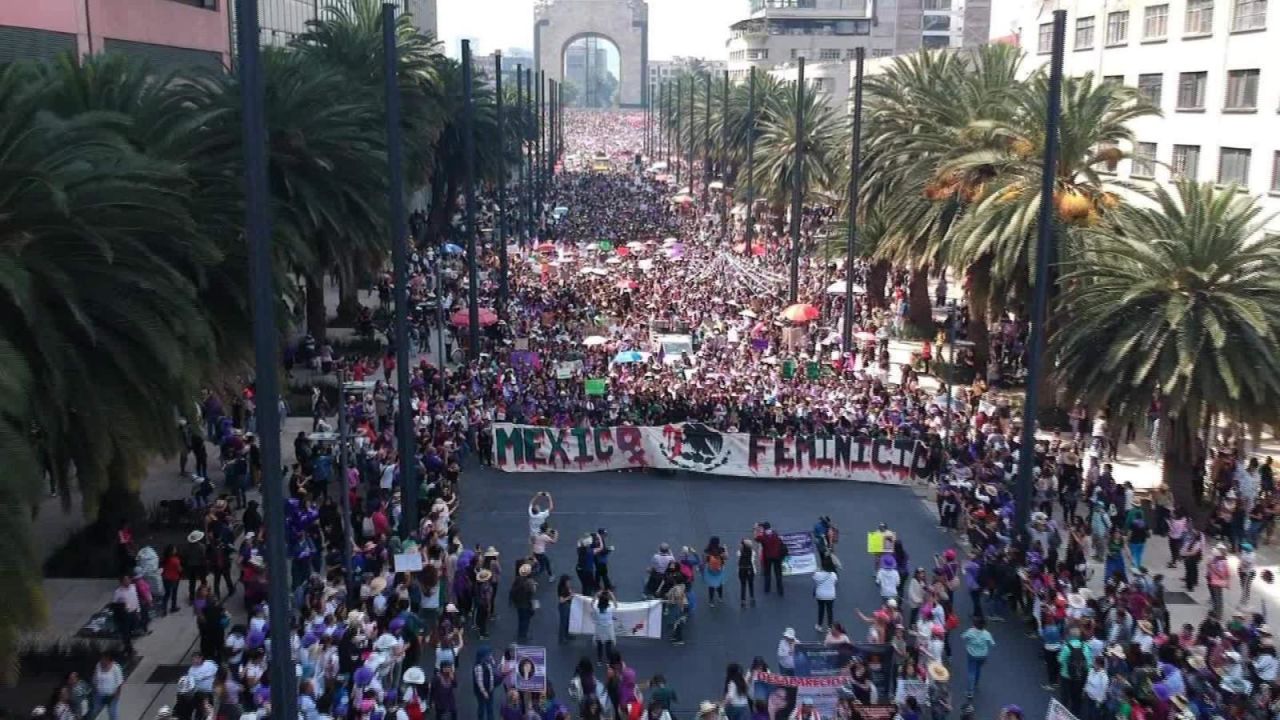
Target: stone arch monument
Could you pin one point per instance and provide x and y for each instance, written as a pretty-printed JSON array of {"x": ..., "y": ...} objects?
[{"x": 625, "y": 23}]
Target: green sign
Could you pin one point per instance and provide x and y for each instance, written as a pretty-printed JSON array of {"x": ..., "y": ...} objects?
[
  {"x": 605, "y": 245},
  {"x": 596, "y": 386},
  {"x": 812, "y": 370},
  {"x": 788, "y": 369}
]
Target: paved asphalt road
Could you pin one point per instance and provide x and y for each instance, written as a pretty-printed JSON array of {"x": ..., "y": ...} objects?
[{"x": 641, "y": 510}]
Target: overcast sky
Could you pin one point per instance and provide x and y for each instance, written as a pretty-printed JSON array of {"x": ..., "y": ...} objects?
[{"x": 676, "y": 27}]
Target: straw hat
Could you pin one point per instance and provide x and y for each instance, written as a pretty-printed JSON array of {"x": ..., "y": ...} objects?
[
  {"x": 938, "y": 672},
  {"x": 195, "y": 536},
  {"x": 1195, "y": 662},
  {"x": 789, "y": 633},
  {"x": 706, "y": 706},
  {"x": 1076, "y": 600},
  {"x": 1146, "y": 626},
  {"x": 1116, "y": 652},
  {"x": 491, "y": 552},
  {"x": 484, "y": 576},
  {"x": 414, "y": 676}
]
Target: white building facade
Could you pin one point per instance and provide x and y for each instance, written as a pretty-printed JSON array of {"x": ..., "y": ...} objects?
[{"x": 1211, "y": 66}]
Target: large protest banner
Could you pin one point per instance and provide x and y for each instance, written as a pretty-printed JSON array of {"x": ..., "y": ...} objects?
[
  {"x": 531, "y": 668},
  {"x": 641, "y": 619},
  {"x": 699, "y": 448}
]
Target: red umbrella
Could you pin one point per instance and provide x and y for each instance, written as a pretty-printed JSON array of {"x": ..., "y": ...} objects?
[
  {"x": 801, "y": 313},
  {"x": 757, "y": 249},
  {"x": 623, "y": 250},
  {"x": 546, "y": 247},
  {"x": 627, "y": 285},
  {"x": 463, "y": 317}
]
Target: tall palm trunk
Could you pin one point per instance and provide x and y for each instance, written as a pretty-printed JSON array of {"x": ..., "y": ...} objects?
[
  {"x": 919, "y": 304},
  {"x": 978, "y": 332},
  {"x": 348, "y": 301},
  {"x": 1179, "y": 462},
  {"x": 877, "y": 279},
  {"x": 317, "y": 313}
]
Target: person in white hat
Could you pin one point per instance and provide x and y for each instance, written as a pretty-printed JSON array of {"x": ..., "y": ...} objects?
[{"x": 787, "y": 652}]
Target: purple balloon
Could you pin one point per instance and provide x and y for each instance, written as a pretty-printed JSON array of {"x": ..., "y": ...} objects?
[
  {"x": 363, "y": 676},
  {"x": 254, "y": 639}
]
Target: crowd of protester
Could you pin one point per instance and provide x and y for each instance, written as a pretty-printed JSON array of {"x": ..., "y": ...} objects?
[{"x": 611, "y": 267}]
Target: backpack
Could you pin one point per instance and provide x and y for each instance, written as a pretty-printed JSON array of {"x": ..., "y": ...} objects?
[
  {"x": 715, "y": 562},
  {"x": 1077, "y": 664}
]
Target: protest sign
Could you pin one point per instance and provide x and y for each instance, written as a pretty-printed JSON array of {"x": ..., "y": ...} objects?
[
  {"x": 408, "y": 562},
  {"x": 784, "y": 692},
  {"x": 566, "y": 369},
  {"x": 1058, "y": 711},
  {"x": 917, "y": 689},
  {"x": 596, "y": 386},
  {"x": 641, "y": 619},
  {"x": 815, "y": 659},
  {"x": 802, "y": 556},
  {"x": 531, "y": 668},
  {"x": 699, "y": 448},
  {"x": 875, "y": 542}
]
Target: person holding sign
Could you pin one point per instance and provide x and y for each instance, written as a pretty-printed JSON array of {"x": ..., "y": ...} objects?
[{"x": 537, "y": 515}]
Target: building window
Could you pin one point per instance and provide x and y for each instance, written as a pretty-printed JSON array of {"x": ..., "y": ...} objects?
[
  {"x": 829, "y": 54},
  {"x": 937, "y": 4},
  {"x": 1144, "y": 160},
  {"x": 1191, "y": 87},
  {"x": 1118, "y": 28},
  {"x": 1233, "y": 167},
  {"x": 821, "y": 84},
  {"x": 1084, "y": 33},
  {"x": 1155, "y": 22},
  {"x": 1045, "y": 45},
  {"x": 1150, "y": 87},
  {"x": 936, "y": 22},
  {"x": 1242, "y": 90},
  {"x": 757, "y": 54},
  {"x": 1199, "y": 17},
  {"x": 934, "y": 42},
  {"x": 206, "y": 4},
  {"x": 881, "y": 52},
  {"x": 1113, "y": 80},
  {"x": 1275, "y": 172},
  {"x": 1249, "y": 15},
  {"x": 1186, "y": 162}
]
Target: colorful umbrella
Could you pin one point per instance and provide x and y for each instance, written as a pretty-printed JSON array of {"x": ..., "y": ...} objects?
[
  {"x": 801, "y": 313},
  {"x": 605, "y": 245},
  {"x": 627, "y": 285},
  {"x": 545, "y": 247},
  {"x": 594, "y": 340},
  {"x": 452, "y": 249},
  {"x": 630, "y": 356},
  {"x": 756, "y": 249},
  {"x": 463, "y": 317}
]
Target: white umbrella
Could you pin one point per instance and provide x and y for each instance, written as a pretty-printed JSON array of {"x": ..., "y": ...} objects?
[
  {"x": 837, "y": 288},
  {"x": 586, "y": 271},
  {"x": 635, "y": 245},
  {"x": 668, "y": 242},
  {"x": 594, "y": 340},
  {"x": 748, "y": 314},
  {"x": 716, "y": 185},
  {"x": 613, "y": 261},
  {"x": 600, "y": 272}
]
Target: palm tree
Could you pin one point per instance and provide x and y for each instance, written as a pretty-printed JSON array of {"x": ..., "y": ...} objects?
[
  {"x": 99, "y": 294},
  {"x": 327, "y": 169},
  {"x": 769, "y": 92},
  {"x": 776, "y": 150},
  {"x": 919, "y": 115},
  {"x": 1094, "y": 127},
  {"x": 1177, "y": 301}
]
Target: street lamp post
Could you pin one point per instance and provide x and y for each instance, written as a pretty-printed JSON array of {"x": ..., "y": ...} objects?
[
  {"x": 723, "y": 156},
  {"x": 266, "y": 344},
  {"x": 469, "y": 185},
  {"x": 679, "y": 138},
  {"x": 797, "y": 185},
  {"x": 706, "y": 139},
  {"x": 751, "y": 161},
  {"x": 400, "y": 263},
  {"x": 693, "y": 134},
  {"x": 855, "y": 176},
  {"x": 1040, "y": 297},
  {"x": 500, "y": 228}
]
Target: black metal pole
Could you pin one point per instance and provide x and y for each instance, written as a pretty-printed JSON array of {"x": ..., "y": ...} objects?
[
  {"x": 693, "y": 132},
  {"x": 855, "y": 177},
  {"x": 523, "y": 230},
  {"x": 706, "y": 139},
  {"x": 266, "y": 354},
  {"x": 344, "y": 491},
  {"x": 551, "y": 129},
  {"x": 751, "y": 160},
  {"x": 500, "y": 227},
  {"x": 542, "y": 144},
  {"x": 664, "y": 115},
  {"x": 400, "y": 263},
  {"x": 1040, "y": 296},
  {"x": 722, "y": 159},
  {"x": 469, "y": 187},
  {"x": 529, "y": 120},
  {"x": 797, "y": 185},
  {"x": 679, "y": 138}
]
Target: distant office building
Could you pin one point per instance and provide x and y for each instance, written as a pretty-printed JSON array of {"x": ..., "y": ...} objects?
[
  {"x": 778, "y": 32},
  {"x": 167, "y": 33}
]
